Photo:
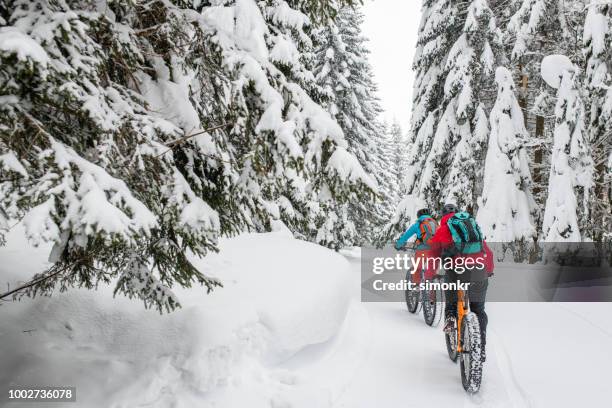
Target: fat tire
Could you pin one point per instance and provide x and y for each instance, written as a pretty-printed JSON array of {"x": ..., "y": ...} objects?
[
  {"x": 412, "y": 297},
  {"x": 471, "y": 358},
  {"x": 432, "y": 306},
  {"x": 451, "y": 342}
]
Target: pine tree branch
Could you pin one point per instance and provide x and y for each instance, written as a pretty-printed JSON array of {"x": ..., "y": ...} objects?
[
  {"x": 148, "y": 30},
  {"x": 30, "y": 284},
  {"x": 601, "y": 140},
  {"x": 35, "y": 122},
  {"x": 181, "y": 140}
]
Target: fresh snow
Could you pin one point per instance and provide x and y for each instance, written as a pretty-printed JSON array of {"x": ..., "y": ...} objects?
[
  {"x": 347, "y": 167},
  {"x": 13, "y": 41},
  {"x": 524, "y": 23},
  {"x": 535, "y": 352},
  {"x": 288, "y": 330},
  {"x": 10, "y": 162},
  {"x": 595, "y": 29},
  {"x": 553, "y": 68},
  {"x": 281, "y": 299}
]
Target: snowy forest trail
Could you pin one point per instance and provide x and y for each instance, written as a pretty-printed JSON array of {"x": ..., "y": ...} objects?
[
  {"x": 317, "y": 347},
  {"x": 527, "y": 360}
]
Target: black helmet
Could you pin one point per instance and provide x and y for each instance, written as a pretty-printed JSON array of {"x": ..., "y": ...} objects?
[
  {"x": 424, "y": 211},
  {"x": 449, "y": 208}
]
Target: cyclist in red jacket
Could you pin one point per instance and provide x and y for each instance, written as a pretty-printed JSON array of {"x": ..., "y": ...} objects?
[{"x": 442, "y": 245}]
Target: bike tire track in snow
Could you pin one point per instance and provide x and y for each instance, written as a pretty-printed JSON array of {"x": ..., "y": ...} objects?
[{"x": 517, "y": 394}]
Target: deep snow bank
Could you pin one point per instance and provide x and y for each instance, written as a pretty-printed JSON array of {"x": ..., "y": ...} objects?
[{"x": 280, "y": 296}]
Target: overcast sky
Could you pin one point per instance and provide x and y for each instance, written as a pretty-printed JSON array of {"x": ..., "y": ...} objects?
[{"x": 391, "y": 26}]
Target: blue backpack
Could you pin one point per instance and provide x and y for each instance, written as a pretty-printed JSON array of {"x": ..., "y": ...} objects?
[{"x": 466, "y": 234}]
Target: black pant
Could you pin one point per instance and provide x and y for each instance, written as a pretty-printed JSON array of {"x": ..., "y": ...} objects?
[{"x": 477, "y": 294}]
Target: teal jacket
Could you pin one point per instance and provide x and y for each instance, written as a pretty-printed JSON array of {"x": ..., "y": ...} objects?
[{"x": 413, "y": 230}]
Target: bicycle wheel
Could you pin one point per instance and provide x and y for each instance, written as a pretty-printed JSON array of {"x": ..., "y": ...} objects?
[
  {"x": 471, "y": 364},
  {"x": 412, "y": 297},
  {"x": 432, "y": 306},
  {"x": 451, "y": 341}
]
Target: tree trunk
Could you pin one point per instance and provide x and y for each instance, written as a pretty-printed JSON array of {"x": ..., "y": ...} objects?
[
  {"x": 538, "y": 157},
  {"x": 523, "y": 85}
]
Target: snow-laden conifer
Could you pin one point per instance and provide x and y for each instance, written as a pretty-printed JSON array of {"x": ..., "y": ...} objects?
[
  {"x": 344, "y": 75},
  {"x": 506, "y": 207},
  {"x": 134, "y": 134},
  {"x": 598, "y": 83},
  {"x": 571, "y": 173},
  {"x": 451, "y": 169}
]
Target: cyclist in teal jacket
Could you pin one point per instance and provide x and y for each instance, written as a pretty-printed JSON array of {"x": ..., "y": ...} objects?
[
  {"x": 424, "y": 228},
  {"x": 415, "y": 229}
]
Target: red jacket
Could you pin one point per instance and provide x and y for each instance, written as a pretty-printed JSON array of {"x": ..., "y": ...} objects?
[{"x": 443, "y": 239}]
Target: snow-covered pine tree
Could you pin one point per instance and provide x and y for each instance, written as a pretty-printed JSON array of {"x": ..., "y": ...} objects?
[
  {"x": 451, "y": 171},
  {"x": 344, "y": 76},
  {"x": 398, "y": 156},
  {"x": 321, "y": 11},
  {"x": 284, "y": 138},
  {"x": 87, "y": 92},
  {"x": 598, "y": 81},
  {"x": 438, "y": 31},
  {"x": 532, "y": 24},
  {"x": 333, "y": 223},
  {"x": 439, "y": 28},
  {"x": 534, "y": 31},
  {"x": 388, "y": 172},
  {"x": 506, "y": 207},
  {"x": 570, "y": 181},
  {"x": 454, "y": 56},
  {"x": 134, "y": 133}
]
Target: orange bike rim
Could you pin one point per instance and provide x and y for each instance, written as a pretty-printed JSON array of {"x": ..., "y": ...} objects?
[{"x": 461, "y": 312}]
